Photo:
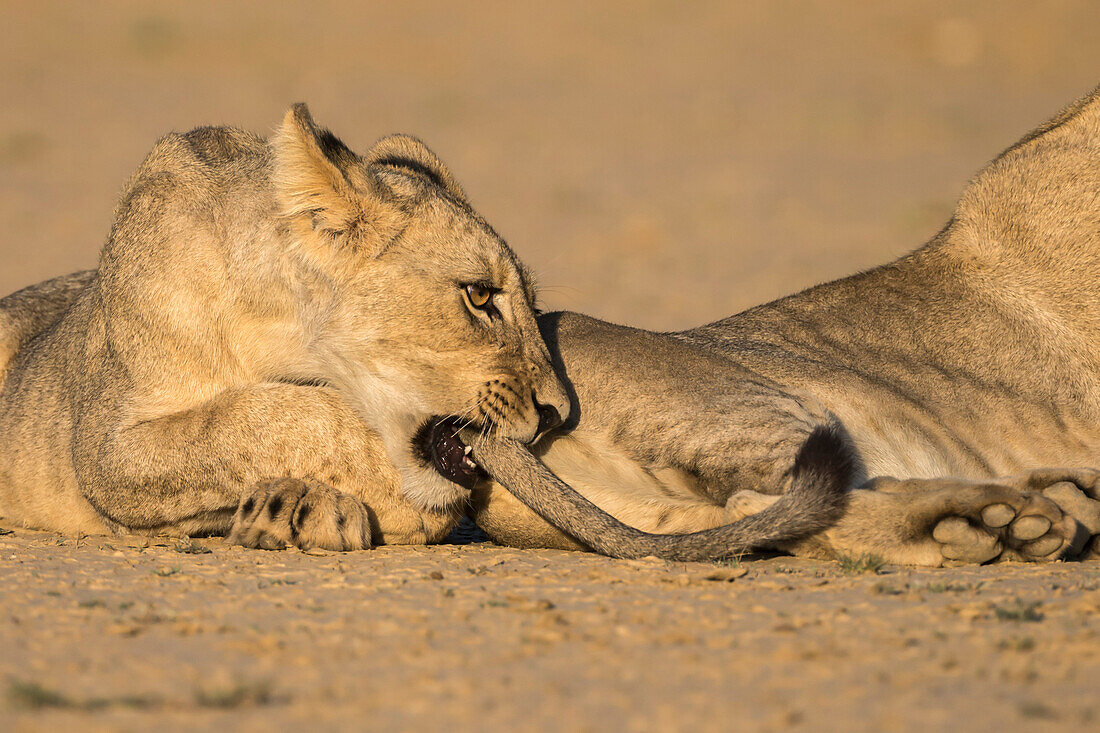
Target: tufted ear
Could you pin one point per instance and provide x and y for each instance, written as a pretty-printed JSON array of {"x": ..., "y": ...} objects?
[
  {"x": 322, "y": 187},
  {"x": 409, "y": 155}
]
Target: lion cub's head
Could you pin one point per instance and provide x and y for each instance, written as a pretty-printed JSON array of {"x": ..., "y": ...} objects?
[{"x": 412, "y": 305}]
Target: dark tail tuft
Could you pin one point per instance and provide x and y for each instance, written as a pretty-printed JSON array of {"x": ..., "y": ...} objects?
[
  {"x": 823, "y": 471},
  {"x": 826, "y": 452}
]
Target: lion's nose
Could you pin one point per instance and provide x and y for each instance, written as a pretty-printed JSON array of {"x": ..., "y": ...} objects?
[{"x": 549, "y": 418}]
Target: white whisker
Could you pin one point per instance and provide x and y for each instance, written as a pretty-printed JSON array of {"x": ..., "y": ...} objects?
[{"x": 471, "y": 408}]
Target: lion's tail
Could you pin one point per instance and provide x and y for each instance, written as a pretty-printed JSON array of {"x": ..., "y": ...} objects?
[{"x": 822, "y": 473}]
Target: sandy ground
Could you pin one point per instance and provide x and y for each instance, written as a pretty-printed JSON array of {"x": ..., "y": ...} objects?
[
  {"x": 126, "y": 633},
  {"x": 661, "y": 164}
]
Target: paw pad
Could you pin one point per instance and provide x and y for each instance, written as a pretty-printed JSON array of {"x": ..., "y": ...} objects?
[
  {"x": 998, "y": 515},
  {"x": 996, "y": 521},
  {"x": 1029, "y": 528}
]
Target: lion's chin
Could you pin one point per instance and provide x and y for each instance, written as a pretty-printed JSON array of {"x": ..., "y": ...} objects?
[{"x": 427, "y": 490}]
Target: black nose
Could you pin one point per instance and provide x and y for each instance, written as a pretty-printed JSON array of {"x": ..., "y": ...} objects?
[{"x": 549, "y": 418}]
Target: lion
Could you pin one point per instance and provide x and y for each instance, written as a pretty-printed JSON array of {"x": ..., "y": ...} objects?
[
  {"x": 281, "y": 343},
  {"x": 265, "y": 313},
  {"x": 957, "y": 374}
]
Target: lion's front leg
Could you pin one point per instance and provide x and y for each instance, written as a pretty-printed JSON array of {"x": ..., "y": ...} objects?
[
  {"x": 272, "y": 464},
  {"x": 936, "y": 522}
]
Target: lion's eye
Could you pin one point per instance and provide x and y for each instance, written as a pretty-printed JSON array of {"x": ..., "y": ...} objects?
[{"x": 480, "y": 296}]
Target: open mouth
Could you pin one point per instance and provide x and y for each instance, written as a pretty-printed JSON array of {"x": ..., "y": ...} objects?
[{"x": 438, "y": 444}]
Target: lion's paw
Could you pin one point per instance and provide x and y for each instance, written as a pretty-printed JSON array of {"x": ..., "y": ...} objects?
[
  {"x": 306, "y": 514},
  {"x": 1077, "y": 493},
  {"x": 1000, "y": 523}
]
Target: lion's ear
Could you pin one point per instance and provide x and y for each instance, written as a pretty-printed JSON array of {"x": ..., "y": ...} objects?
[
  {"x": 322, "y": 187},
  {"x": 408, "y": 155}
]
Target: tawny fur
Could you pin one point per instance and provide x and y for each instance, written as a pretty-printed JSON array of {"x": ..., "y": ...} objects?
[
  {"x": 973, "y": 358},
  {"x": 970, "y": 358},
  {"x": 265, "y": 309}
]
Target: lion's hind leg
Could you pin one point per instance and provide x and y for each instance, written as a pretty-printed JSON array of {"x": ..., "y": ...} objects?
[
  {"x": 992, "y": 521},
  {"x": 1077, "y": 493},
  {"x": 937, "y": 522},
  {"x": 27, "y": 312}
]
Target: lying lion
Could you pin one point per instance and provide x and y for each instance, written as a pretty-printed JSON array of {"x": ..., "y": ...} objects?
[
  {"x": 281, "y": 342},
  {"x": 975, "y": 357},
  {"x": 264, "y": 311},
  {"x": 968, "y": 358}
]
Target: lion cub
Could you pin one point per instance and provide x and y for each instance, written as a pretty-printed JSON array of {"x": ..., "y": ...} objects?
[{"x": 262, "y": 312}]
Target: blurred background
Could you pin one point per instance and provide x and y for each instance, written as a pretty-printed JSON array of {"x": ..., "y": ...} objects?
[{"x": 656, "y": 163}]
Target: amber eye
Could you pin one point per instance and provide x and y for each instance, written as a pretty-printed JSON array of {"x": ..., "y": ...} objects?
[{"x": 480, "y": 296}]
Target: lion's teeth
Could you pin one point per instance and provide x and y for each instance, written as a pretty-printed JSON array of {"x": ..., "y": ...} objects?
[{"x": 466, "y": 450}]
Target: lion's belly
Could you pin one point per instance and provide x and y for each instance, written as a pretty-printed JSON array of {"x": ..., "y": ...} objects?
[
  {"x": 650, "y": 498},
  {"x": 983, "y": 438}
]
